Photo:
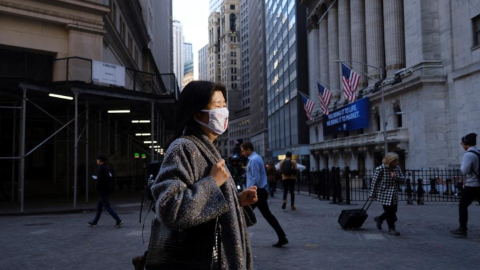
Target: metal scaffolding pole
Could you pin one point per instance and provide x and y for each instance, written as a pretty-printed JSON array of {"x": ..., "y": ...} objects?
[
  {"x": 99, "y": 132},
  {"x": 21, "y": 167},
  {"x": 75, "y": 153},
  {"x": 68, "y": 158},
  {"x": 108, "y": 136},
  {"x": 86, "y": 153},
  {"x": 152, "y": 126},
  {"x": 55, "y": 159},
  {"x": 13, "y": 152},
  {"x": 116, "y": 147}
]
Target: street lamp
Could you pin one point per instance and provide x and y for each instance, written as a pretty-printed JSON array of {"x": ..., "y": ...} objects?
[{"x": 385, "y": 130}]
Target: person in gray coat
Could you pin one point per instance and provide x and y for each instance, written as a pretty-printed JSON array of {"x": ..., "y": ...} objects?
[
  {"x": 471, "y": 191},
  {"x": 201, "y": 221},
  {"x": 385, "y": 190}
]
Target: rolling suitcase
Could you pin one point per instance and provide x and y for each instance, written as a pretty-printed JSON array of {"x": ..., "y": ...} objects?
[{"x": 354, "y": 218}]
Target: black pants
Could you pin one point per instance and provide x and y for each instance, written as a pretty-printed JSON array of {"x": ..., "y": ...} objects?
[
  {"x": 273, "y": 187},
  {"x": 289, "y": 185},
  {"x": 468, "y": 195},
  {"x": 262, "y": 205},
  {"x": 389, "y": 214}
]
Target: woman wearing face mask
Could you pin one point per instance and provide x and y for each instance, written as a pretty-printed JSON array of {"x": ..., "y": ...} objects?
[
  {"x": 201, "y": 221},
  {"x": 385, "y": 190}
]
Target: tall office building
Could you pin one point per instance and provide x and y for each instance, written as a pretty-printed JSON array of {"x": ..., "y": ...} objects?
[
  {"x": 286, "y": 57},
  {"x": 188, "y": 63},
  {"x": 203, "y": 63},
  {"x": 224, "y": 57},
  {"x": 214, "y": 6},
  {"x": 178, "y": 62},
  {"x": 256, "y": 79}
]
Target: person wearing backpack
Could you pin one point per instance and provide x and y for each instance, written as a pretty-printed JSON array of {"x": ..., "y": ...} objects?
[
  {"x": 288, "y": 169},
  {"x": 105, "y": 185},
  {"x": 471, "y": 191}
]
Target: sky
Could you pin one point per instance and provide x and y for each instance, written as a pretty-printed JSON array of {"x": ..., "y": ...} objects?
[{"x": 193, "y": 14}]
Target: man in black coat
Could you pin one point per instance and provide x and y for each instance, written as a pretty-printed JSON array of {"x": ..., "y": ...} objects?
[{"x": 105, "y": 186}]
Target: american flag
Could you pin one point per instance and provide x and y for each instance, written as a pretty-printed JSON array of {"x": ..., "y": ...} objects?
[
  {"x": 325, "y": 95},
  {"x": 308, "y": 105},
  {"x": 350, "y": 81}
]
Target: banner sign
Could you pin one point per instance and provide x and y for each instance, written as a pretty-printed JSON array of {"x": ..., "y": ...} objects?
[
  {"x": 108, "y": 73},
  {"x": 351, "y": 117}
]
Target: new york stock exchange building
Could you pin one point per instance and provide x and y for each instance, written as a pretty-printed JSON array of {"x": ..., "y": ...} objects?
[{"x": 421, "y": 56}]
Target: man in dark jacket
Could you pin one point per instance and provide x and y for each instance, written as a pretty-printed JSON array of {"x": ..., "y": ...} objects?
[{"x": 105, "y": 187}]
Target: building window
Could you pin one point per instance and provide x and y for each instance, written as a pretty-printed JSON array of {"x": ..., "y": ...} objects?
[
  {"x": 122, "y": 29},
  {"x": 232, "y": 7},
  {"x": 136, "y": 56},
  {"x": 476, "y": 31},
  {"x": 113, "y": 13},
  {"x": 130, "y": 44}
]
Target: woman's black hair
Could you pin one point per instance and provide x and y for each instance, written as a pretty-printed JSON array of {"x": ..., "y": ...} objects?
[{"x": 195, "y": 97}]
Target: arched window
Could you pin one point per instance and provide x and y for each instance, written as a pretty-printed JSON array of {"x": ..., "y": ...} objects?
[{"x": 233, "y": 20}]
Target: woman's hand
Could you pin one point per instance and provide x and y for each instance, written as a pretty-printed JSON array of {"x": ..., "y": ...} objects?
[
  {"x": 219, "y": 173},
  {"x": 248, "y": 196}
]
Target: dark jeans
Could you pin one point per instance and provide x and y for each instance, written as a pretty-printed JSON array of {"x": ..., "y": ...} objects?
[
  {"x": 289, "y": 185},
  {"x": 468, "y": 195},
  {"x": 104, "y": 202},
  {"x": 273, "y": 187},
  {"x": 262, "y": 205},
  {"x": 389, "y": 214}
]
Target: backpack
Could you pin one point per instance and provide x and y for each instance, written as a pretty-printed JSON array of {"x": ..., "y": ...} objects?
[{"x": 287, "y": 167}]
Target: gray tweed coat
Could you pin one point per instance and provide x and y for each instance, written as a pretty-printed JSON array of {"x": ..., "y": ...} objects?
[
  {"x": 188, "y": 203},
  {"x": 385, "y": 188}
]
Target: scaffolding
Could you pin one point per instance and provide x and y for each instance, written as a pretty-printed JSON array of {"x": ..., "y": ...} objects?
[{"x": 149, "y": 99}]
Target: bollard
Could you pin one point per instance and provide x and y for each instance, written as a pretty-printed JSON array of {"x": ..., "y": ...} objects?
[
  {"x": 433, "y": 187},
  {"x": 420, "y": 192},
  {"x": 347, "y": 184},
  {"x": 409, "y": 192},
  {"x": 448, "y": 183},
  {"x": 333, "y": 182}
]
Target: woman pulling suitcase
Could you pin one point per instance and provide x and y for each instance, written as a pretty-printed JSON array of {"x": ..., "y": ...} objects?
[{"x": 385, "y": 190}]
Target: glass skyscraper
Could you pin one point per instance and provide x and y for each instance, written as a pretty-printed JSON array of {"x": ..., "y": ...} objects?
[{"x": 287, "y": 75}]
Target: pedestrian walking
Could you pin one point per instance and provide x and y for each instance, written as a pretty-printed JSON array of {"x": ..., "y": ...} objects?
[
  {"x": 384, "y": 189},
  {"x": 471, "y": 191},
  {"x": 200, "y": 219},
  {"x": 288, "y": 168},
  {"x": 105, "y": 185},
  {"x": 272, "y": 178},
  {"x": 256, "y": 176}
]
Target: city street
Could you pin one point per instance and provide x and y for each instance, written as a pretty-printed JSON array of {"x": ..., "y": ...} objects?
[{"x": 64, "y": 241}]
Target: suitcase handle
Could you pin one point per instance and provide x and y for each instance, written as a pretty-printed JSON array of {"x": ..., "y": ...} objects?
[{"x": 371, "y": 201}]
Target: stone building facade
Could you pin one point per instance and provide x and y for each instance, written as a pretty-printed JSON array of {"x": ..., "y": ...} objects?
[{"x": 426, "y": 53}]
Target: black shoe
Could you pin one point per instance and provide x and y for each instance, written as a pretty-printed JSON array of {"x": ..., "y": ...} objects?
[
  {"x": 284, "y": 205},
  {"x": 92, "y": 224},
  {"x": 459, "y": 233},
  {"x": 378, "y": 223},
  {"x": 393, "y": 232},
  {"x": 281, "y": 242},
  {"x": 118, "y": 224}
]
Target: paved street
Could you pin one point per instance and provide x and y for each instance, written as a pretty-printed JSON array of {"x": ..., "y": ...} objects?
[{"x": 63, "y": 241}]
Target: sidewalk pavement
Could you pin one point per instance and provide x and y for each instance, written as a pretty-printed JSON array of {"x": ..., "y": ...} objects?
[
  {"x": 62, "y": 205},
  {"x": 63, "y": 241}
]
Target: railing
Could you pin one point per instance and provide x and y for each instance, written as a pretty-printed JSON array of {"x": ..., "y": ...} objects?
[{"x": 425, "y": 185}]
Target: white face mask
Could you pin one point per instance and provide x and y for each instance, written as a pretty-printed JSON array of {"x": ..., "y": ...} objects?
[{"x": 218, "y": 120}]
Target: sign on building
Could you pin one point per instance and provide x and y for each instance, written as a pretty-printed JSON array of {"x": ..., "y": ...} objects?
[
  {"x": 108, "y": 73},
  {"x": 351, "y": 117}
]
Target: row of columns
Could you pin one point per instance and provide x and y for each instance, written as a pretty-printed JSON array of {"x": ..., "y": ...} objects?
[{"x": 370, "y": 32}]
